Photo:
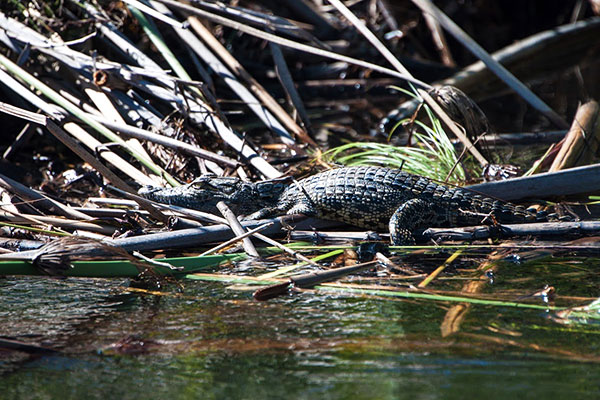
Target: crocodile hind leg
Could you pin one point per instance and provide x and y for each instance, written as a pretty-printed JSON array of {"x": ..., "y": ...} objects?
[{"x": 413, "y": 214}]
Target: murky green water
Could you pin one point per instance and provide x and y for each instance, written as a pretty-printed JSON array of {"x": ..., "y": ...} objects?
[{"x": 212, "y": 342}]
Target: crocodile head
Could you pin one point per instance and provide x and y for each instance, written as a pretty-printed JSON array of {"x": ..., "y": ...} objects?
[{"x": 206, "y": 191}]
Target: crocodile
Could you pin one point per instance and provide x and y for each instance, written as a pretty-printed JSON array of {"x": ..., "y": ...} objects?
[{"x": 368, "y": 197}]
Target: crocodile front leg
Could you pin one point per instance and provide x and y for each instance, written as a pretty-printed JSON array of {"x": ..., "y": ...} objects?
[
  {"x": 285, "y": 208},
  {"x": 413, "y": 214}
]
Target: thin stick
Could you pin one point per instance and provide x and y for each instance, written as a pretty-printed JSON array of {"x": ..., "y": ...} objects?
[
  {"x": 236, "y": 239},
  {"x": 237, "y": 228},
  {"x": 286, "y": 249},
  {"x": 309, "y": 280},
  {"x": 439, "y": 269},
  {"x": 133, "y": 131},
  {"x": 285, "y": 77}
]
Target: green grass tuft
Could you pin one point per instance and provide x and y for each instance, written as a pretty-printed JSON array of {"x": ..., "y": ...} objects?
[{"x": 433, "y": 155}]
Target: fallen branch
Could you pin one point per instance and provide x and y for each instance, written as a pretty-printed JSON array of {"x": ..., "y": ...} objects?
[
  {"x": 579, "y": 180},
  {"x": 495, "y": 231}
]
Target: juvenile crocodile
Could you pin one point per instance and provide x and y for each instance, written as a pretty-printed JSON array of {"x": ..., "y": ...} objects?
[{"x": 369, "y": 197}]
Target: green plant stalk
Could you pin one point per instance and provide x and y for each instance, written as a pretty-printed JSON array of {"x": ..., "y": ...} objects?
[
  {"x": 437, "y": 297},
  {"x": 232, "y": 279},
  {"x": 32, "y": 229},
  {"x": 285, "y": 270},
  {"x": 123, "y": 268},
  {"x": 76, "y": 111},
  {"x": 383, "y": 293},
  {"x": 157, "y": 39}
]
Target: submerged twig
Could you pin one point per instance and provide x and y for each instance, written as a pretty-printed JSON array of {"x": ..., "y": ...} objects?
[{"x": 309, "y": 280}]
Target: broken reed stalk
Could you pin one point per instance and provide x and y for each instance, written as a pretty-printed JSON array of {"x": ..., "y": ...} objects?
[
  {"x": 237, "y": 228},
  {"x": 581, "y": 143}
]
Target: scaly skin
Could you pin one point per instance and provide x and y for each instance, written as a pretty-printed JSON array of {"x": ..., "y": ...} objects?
[{"x": 368, "y": 197}]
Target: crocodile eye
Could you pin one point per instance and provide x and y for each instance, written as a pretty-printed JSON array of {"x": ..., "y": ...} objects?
[{"x": 200, "y": 184}]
